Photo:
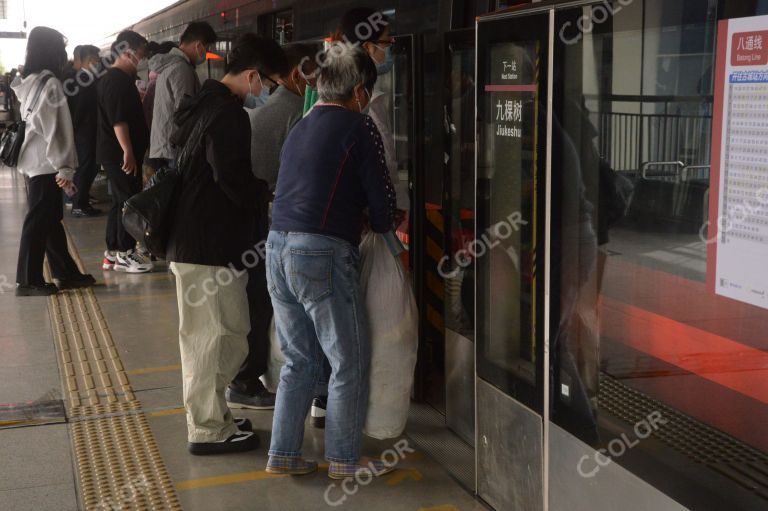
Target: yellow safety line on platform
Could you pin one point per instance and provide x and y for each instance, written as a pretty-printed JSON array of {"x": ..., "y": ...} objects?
[
  {"x": 241, "y": 477},
  {"x": 133, "y": 298},
  {"x": 171, "y": 411},
  {"x": 402, "y": 474},
  {"x": 119, "y": 465},
  {"x": 394, "y": 479},
  {"x": 151, "y": 370}
]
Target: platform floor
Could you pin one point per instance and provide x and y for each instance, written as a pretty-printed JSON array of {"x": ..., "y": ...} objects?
[{"x": 42, "y": 469}]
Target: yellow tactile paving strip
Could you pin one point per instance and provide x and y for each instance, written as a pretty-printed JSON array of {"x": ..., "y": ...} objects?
[{"x": 118, "y": 462}]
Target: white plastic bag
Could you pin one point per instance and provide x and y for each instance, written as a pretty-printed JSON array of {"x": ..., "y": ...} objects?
[{"x": 393, "y": 322}]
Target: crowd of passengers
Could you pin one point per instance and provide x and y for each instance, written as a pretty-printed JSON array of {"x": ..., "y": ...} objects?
[{"x": 260, "y": 165}]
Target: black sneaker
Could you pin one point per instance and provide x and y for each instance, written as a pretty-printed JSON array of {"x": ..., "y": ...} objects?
[
  {"x": 242, "y": 441},
  {"x": 46, "y": 289},
  {"x": 317, "y": 414},
  {"x": 263, "y": 400},
  {"x": 90, "y": 211},
  {"x": 78, "y": 282}
]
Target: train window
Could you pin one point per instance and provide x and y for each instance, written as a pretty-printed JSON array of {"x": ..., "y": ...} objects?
[
  {"x": 283, "y": 31},
  {"x": 277, "y": 25},
  {"x": 215, "y": 67}
]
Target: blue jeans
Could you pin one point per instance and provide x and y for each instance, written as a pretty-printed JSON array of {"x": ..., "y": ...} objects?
[{"x": 320, "y": 312}]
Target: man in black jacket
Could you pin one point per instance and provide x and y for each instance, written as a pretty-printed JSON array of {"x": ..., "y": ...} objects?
[
  {"x": 81, "y": 96},
  {"x": 212, "y": 241}
]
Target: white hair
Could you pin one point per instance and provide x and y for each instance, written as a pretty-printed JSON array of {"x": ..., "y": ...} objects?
[{"x": 343, "y": 67}]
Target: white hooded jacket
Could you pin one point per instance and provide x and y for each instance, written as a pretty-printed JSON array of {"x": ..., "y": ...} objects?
[{"x": 49, "y": 142}]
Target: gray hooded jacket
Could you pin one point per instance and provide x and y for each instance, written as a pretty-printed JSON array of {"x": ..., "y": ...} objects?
[{"x": 176, "y": 78}]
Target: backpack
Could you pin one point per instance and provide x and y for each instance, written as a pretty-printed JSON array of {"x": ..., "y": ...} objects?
[{"x": 148, "y": 216}]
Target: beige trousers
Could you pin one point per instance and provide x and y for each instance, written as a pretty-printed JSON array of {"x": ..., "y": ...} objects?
[{"x": 213, "y": 338}]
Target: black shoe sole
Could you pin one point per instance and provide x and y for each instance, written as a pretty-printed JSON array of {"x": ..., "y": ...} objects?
[
  {"x": 317, "y": 422},
  {"x": 207, "y": 449},
  {"x": 20, "y": 291},
  {"x": 86, "y": 281},
  {"x": 241, "y": 406},
  {"x": 75, "y": 285}
]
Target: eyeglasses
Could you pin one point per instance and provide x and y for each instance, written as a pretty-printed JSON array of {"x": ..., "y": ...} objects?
[
  {"x": 264, "y": 77},
  {"x": 384, "y": 42}
]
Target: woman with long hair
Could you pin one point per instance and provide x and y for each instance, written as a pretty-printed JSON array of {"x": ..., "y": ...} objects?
[{"x": 48, "y": 160}]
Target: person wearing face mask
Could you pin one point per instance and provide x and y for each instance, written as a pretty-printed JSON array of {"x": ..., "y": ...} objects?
[
  {"x": 332, "y": 168},
  {"x": 81, "y": 97},
  {"x": 148, "y": 102},
  {"x": 371, "y": 30},
  {"x": 176, "y": 78},
  {"x": 122, "y": 138},
  {"x": 212, "y": 240},
  {"x": 270, "y": 126}
]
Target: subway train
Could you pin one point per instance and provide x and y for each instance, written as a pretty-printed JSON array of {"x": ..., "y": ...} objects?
[{"x": 583, "y": 341}]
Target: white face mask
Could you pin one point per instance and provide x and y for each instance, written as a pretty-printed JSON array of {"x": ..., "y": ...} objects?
[
  {"x": 299, "y": 90},
  {"x": 367, "y": 105},
  {"x": 251, "y": 100},
  {"x": 136, "y": 61}
]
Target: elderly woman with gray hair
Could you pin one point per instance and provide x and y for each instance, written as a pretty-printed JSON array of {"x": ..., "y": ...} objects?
[{"x": 332, "y": 169}]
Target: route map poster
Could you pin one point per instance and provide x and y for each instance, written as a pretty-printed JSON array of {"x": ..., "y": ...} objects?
[{"x": 738, "y": 215}]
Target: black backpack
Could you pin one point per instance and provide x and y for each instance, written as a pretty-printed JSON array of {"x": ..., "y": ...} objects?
[
  {"x": 13, "y": 137},
  {"x": 148, "y": 216}
]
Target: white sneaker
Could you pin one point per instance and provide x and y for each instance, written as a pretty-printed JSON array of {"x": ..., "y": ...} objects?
[
  {"x": 130, "y": 262},
  {"x": 108, "y": 263},
  {"x": 143, "y": 254}
]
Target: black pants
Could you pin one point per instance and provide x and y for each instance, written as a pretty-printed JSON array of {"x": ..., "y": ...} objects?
[
  {"x": 260, "y": 310},
  {"x": 43, "y": 234},
  {"x": 123, "y": 187},
  {"x": 85, "y": 174}
]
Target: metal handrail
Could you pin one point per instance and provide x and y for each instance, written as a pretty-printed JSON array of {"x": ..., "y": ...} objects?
[
  {"x": 644, "y": 169},
  {"x": 688, "y": 168}
]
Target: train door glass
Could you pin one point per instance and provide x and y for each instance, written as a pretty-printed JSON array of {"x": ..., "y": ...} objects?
[
  {"x": 508, "y": 247},
  {"x": 458, "y": 218},
  {"x": 215, "y": 66},
  {"x": 637, "y": 334},
  {"x": 394, "y": 92},
  {"x": 459, "y": 214}
]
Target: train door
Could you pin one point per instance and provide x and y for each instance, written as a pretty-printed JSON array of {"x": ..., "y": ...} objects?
[
  {"x": 509, "y": 251},
  {"x": 592, "y": 262},
  {"x": 445, "y": 281},
  {"x": 458, "y": 217}
]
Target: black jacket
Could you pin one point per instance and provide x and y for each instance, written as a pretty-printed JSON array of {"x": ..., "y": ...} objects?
[
  {"x": 80, "y": 88},
  {"x": 217, "y": 212}
]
